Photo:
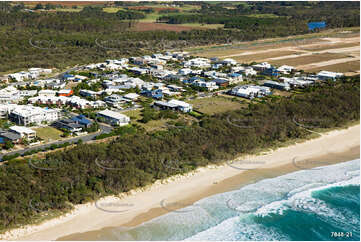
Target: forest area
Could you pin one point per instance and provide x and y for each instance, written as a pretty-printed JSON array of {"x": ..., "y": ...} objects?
[
  {"x": 61, "y": 39},
  {"x": 137, "y": 158}
]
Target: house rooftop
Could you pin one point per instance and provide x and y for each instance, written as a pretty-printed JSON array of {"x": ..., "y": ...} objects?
[
  {"x": 22, "y": 130},
  {"x": 112, "y": 114}
]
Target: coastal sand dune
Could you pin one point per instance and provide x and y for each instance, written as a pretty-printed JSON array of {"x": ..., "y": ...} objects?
[{"x": 140, "y": 206}]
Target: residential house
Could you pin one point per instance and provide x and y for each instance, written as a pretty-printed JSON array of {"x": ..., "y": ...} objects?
[
  {"x": 229, "y": 61},
  {"x": 157, "y": 93},
  {"x": 174, "y": 104},
  {"x": 277, "y": 85},
  {"x": 329, "y": 75},
  {"x": 65, "y": 92},
  {"x": 89, "y": 93},
  {"x": 285, "y": 69},
  {"x": 28, "y": 114},
  {"x": 221, "y": 82},
  {"x": 271, "y": 72},
  {"x": 24, "y": 132},
  {"x": 234, "y": 78},
  {"x": 262, "y": 66},
  {"x": 250, "y": 91},
  {"x": 131, "y": 96},
  {"x": 69, "y": 125},
  {"x": 115, "y": 100},
  {"x": 184, "y": 71},
  {"x": 82, "y": 120},
  {"x": 9, "y": 136},
  {"x": 114, "y": 118},
  {"x": 209, "y": 85}
]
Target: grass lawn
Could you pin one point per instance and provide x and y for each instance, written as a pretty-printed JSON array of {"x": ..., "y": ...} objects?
[
  {"x": 133, "y": 114},
  {"x": 160, "y": 124},
  {"x": 212, "y": 105},
  {"x": 48, "y": 133},
  {"x": 112, "y": 9},
  {"x": 150, "y": 126},
  {"x": 266, "y": 15}
]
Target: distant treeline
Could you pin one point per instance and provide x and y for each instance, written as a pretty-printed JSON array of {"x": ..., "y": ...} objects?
[
  {"x": 62, "y": 39},
  {"x": 290, "y": 14},
  {"x": 136, "y": 158},
  {"x": 90, "y": 19}
]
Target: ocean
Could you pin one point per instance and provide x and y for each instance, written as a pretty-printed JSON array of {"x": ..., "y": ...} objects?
[{"x": 309, "y": 205}]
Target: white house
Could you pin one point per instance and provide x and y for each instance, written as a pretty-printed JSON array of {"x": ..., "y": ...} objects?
[
  {"x": 174, "y": 104},
  {"x": 229, "y": 61},
  {"x": 198, "y": 62},
  {"x": 285, "y": 69},
  {"x": 28, "y": 114},
  {"x": 262, "y": 66},
  {"x": 250, "y": 91},
  {"x": 328, "y": 75},
  {"x": 210, "y": 85},
  {"x": 47, "y": 93},
  {"x": 114, "y": 118},
  {"x": 184, "y": 71},
  {"x": 23, "y": 132},
  {"x": 131, "y": 96}
]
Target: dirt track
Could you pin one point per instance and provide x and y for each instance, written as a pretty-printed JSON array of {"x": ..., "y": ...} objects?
[{"x": 326, "y": 47}]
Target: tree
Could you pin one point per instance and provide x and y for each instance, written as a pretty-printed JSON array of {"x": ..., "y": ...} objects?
[
  {"x": 38, "y": 6},
  {"x": 8, "y": 145}
]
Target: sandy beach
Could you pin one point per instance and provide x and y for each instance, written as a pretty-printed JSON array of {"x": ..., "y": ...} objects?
[{"x": 180, "y": 191}]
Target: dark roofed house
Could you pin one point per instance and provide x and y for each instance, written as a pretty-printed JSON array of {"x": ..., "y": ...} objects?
[
  {"x": 157, "y": 94},
  {"x": 221, "y": 82},
  {"x": 9, "y": 136},
  {"x": 80, "y": 119},
  {"x": 68, "y": 124}
]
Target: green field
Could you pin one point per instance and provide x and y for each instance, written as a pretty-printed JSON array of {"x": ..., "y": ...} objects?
[
  {"x": 48, "y": 133},
  {"x": 212, "y": 105}
]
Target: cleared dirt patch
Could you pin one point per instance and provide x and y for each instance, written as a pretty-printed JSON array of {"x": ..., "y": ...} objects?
[
  {"x": 263, "y": 56},
  {"x": 350, "y": 66},
  {"x": 144, "y": 26},
  {"x": 66, "y": 3},
  {"x": 259, "y": 45},
  {"x": 304, "y": 60},
  {"x": 333, "y": 46}
]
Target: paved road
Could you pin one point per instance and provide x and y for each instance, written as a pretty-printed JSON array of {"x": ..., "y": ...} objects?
[{"x": 103, "y": 129}]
